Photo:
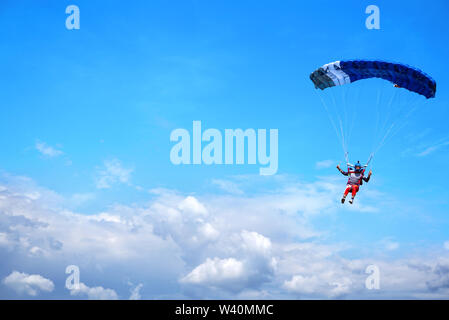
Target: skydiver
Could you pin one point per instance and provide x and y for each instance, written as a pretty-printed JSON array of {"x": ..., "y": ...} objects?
[{"x": 355, "y": 180}]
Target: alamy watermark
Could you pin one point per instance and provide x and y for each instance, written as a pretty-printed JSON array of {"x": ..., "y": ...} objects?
[
  {"x": 73, "y": 20},
  {"x": 210, "y": 147},
  {"x": 373, "y": 280},
  {"x": 373, "y": 20},
  {"x": 73, "y": 280}
]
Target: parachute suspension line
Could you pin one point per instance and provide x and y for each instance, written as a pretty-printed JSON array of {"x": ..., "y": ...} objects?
[
  {"x": 376, "y": 136},
  {"x": 329, "y": 116},
  {"x": 413, "y": 104},
  {"x": 342, "y": 132},
  {"x": 343, "y": 141},
  {"x": 380, "y": 139},
  {"x": 391, "y": 134},
  {"x": 345, "y": 113},
  {"x": 384, "y": 138},
  {"x": 389, "y": 107},
  {"x": 369, "y": 159},
  {"x": 350, "y": 108},
  {"x": 354, "y": 109},
  {"x": 385, "y": 122},
  {"x": 376, "y": 131},
  {"x": 326, "y": 108},
  {"x": 349, "y": 113}
]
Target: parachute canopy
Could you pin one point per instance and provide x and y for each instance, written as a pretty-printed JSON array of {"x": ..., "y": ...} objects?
[{"x": 342, "y": 72}]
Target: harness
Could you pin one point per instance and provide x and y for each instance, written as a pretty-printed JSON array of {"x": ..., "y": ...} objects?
[{"x": 355, "y": 178}]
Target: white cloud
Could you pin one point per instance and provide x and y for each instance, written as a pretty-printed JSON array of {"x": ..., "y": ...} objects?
[
  {"x": 208, "y": 231},
  {"x": 36, "y": 251},
  {"x": 46, "y": 150},
  {"x": 299, "y": 283},
  {"x": 215, "y": 272},
  {"x": 431, "y": 149},
  {"x": 24, "y": 283},
  {"x": 422, "y": 146},
  {"x": 135, "y": 292},
  {"x": 251, "y": 266},
  {"x": 391, "y": 245},
  {"x": 326, "y": 285},
  {"x": 316, "y": 271},
  {"x": 228, "y": 186},
  {"x": 446, "y": 245},
  {"x": 106, "y": 217},
  {"x": 255, "y": 242},
  {"x": 95, "y": 293},
  {"x": 388, "y": 244},
  {"x": 4, "y": 241},
  {"x": 81, "y": 198},
  {"x": 112, "y": 173},
  {"x": 324, "y": 164},
  {"x": 192, "y": 205}
]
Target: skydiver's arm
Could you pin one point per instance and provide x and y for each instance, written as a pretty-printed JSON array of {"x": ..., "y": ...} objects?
[
  {"x": 366, "y": 179},
  {"x": 342, "y": 172}
]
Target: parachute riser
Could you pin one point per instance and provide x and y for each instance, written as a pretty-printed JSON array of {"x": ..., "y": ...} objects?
[{"x": 350, "y": 165}]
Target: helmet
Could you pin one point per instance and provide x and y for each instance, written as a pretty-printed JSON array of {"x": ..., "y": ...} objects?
[{"x": 358, "y": 167}]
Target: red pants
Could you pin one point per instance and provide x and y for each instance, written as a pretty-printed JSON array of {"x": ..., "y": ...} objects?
[{"x": 353, "y": 188}]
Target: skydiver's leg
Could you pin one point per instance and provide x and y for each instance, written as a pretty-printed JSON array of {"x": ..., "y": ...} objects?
[
  {"x": 355, "y": 189},
  {"x": 348, "y": 188}
]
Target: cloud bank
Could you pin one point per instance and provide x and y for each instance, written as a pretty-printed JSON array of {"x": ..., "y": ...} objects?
[
  {"x": 28, "y": 284},
  {"x": 199, "y": 246}
]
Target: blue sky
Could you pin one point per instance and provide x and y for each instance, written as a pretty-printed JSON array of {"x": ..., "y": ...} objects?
[{"x": 86, "y": 117}]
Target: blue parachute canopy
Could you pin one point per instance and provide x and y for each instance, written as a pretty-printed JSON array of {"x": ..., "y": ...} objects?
[{"x": 342, "y": 72}]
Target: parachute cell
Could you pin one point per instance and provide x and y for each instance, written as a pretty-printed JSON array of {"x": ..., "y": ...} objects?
[{"x": 343, "y": 72}]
